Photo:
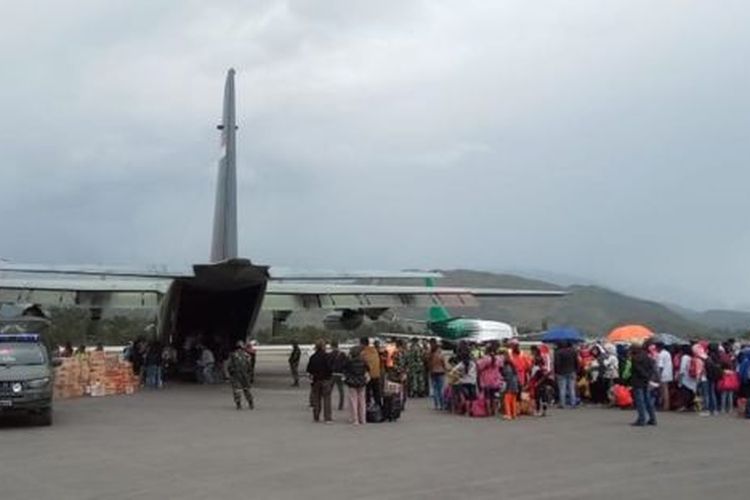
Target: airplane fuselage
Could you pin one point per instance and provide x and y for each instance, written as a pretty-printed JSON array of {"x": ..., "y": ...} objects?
[{"x": 476, "y": 330}]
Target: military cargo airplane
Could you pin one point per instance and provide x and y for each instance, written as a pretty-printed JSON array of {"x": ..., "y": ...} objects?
[{"x": 221, "y": 299}]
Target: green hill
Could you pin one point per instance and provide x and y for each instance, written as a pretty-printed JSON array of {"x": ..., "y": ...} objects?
[{"x": 594, "y": 310}]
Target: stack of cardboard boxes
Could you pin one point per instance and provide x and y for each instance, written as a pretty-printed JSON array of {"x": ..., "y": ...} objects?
[
  {"x": 96, "y": 374},
  {"x": 68, "y": 379}
]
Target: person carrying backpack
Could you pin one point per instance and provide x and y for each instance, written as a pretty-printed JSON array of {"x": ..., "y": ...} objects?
[
  {"x": 686, "y": 383},
  {"x": 356, "y": 377},
  {"x": 697, "y": 370}
]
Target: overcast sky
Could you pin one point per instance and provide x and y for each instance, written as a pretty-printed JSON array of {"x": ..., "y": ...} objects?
[{"x": 604, "y": 140}]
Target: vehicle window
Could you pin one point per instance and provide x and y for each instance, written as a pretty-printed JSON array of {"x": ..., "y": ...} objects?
[{"x": 21, "y": 354}]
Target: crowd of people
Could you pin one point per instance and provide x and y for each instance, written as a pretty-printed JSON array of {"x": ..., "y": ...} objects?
[
  {"x": 377, "y": 378},
  {"x": 491, "y": 379},
  {"x": 508, "y": 381},
  {"x": 708, "y": 378}
]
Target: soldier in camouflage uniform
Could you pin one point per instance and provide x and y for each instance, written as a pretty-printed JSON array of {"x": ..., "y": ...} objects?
[
  {"x": 414, "y": 358},
  {"x": 240, "y": 374}
]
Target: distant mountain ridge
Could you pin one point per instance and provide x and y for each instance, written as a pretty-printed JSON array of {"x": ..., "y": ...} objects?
[{"x": 593, "y": 309}]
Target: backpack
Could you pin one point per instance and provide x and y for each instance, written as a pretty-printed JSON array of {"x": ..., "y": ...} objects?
[
  {"x": 622, "y": 396},
  {"x": 356, "y": 374},
  {"x": 693, "y": 368},
  {"x": 729, "y": 382}
]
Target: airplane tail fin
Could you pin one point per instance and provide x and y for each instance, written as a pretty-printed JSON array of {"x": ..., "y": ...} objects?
[
  {"x": 224, "y": 242},
  {"x": 436, "y": 313}
]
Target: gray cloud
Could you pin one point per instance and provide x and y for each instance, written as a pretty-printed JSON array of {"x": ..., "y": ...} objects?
[{"x": 605, "y": 140}]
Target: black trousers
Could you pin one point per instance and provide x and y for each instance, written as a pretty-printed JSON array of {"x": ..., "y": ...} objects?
[
  {"x": 294, "y": 369},
  {"x": 321, "y": 399},
  {"x": 373, "y": 392}
]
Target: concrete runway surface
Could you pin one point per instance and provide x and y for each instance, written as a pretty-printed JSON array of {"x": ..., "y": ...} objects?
[{"x": 189, "y": 442}]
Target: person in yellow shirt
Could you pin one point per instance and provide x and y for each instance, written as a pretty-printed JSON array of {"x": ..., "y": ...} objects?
[{"x": 371, "y": 357}]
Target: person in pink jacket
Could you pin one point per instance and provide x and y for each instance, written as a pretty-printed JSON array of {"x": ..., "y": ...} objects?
[{"x": 490, "y": 380}]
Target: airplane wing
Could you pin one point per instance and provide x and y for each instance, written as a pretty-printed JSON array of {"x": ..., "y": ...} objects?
[
  {"x": 518, "y": 292},
  {"x": 114, "y": 287},
  {"x": 111, "y": 293},
  {"x": 305, "y": 296},
  {"x": 95, "y": 270},
  {"x": 157, "y": 271}
]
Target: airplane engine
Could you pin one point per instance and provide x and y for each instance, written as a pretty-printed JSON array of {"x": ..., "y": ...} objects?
[{"x": 345, "y": 319}]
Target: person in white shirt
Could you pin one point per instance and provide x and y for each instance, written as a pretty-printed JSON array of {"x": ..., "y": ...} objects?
[
  {"x": 687, "y": 384},
  {"x": 665, "y": 370}
]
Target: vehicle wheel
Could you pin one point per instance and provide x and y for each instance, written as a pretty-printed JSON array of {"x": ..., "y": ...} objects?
[{"x": 45, "y": 417}]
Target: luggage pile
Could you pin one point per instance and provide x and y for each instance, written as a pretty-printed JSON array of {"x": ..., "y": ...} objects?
[{"x": 97, "y": 374}]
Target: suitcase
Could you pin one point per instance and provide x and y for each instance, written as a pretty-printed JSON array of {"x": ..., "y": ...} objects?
[
  {"x": 392, "y": 407},
  {"x": 390, "y": 388},
  {"x": 373, "y": 414}
]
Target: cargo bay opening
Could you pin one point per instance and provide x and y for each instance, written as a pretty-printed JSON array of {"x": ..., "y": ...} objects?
[{"x": 216, "y": 308}]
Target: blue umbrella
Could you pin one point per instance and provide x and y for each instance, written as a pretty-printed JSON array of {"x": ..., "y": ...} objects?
[{"x": 562, "y": 334}]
